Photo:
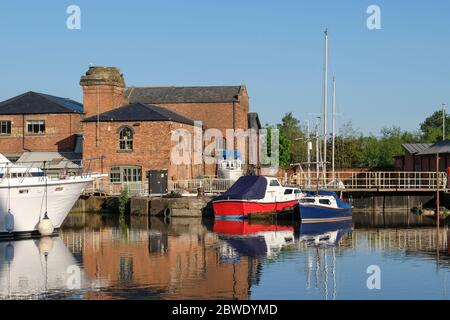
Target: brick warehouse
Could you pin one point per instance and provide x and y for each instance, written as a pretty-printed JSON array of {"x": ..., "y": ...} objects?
[
  {"x": 137, "y": 139},
  {"x": 39, "y": 122},
  {"x": 128, "y": 127},
  {"x": 146, "y": 115}
]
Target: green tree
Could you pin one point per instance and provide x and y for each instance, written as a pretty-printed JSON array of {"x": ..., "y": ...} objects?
[
  {"x": 291, "y": 130},
  {"x": 347, "y": 147},
  {"x": 431, "y": 128},
  {"x": 284, "y": 147}
]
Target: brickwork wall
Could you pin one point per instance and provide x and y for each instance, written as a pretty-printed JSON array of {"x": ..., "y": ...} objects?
[
  {"x": 152, "y": 147},
  {"x": 60, "y": 131},
  {"x": 103, "y": 98}
]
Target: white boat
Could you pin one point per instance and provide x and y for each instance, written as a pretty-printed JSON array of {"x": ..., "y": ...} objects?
[
  {"x": 229, "y": 165},
  {"x": 230, "y": 169},
  {"x": 27, "y": 194}
]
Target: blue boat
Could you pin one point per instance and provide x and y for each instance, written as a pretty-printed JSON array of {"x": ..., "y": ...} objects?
[
  {"x": 324, "y": 234},
  {"x": 323, "y": 206}
]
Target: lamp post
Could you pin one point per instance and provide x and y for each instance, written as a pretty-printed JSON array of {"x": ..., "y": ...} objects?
[
  {"x": 308, "y": 152},
  {"x": 443, "y": 120}
]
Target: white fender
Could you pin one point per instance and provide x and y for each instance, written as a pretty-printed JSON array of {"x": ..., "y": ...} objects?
[
  {"x": 46, "y": 227},
  {"x": 9, "y": 252},
  {"x": 9, "y": 222},
  {"x": 46, "y": 245}
]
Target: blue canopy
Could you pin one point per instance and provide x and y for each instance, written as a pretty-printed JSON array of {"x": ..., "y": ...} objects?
[
  {"x": 246, "y": 188},
  {"x": 230, "y": 154},
  {"x": 249, "y": 247}
]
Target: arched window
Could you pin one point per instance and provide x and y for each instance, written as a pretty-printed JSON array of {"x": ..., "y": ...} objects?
[{"x": 125, "y": 138}]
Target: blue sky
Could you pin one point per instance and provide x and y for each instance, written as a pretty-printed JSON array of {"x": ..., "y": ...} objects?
[{"x": 393, "y": 76}]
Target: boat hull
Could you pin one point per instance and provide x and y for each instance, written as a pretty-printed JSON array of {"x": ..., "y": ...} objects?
[
  {"x": 239, "y": 209},
  {"x": 312, "y": 214},
  {"x": 26, "y": 203}
]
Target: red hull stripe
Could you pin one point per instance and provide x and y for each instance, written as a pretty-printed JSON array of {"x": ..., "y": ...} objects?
[
  {"x": 231, "y": 227},
  {"x": 243, "y": 208}
]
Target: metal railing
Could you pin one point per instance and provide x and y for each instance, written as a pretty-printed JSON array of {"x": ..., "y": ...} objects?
[
  {"x": 184, "y": 187},
  {"x": 209, "y": 185},
  {"x": 355, "y": 181},
  {"x": 378, "y": 180},
  {"x": 104, "y": 187}
]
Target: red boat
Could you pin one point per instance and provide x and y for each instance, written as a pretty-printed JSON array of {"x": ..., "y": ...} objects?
[
  {"x": 235, "y": 227},
  {"x": 255, "y": 194},
  {"x": 254, "y": 240}
]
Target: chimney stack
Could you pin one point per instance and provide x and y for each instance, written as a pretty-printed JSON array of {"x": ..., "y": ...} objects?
[{"x": 103, "y": 89}]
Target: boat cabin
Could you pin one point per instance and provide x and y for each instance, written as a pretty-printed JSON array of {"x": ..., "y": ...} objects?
[{"x": 320, "y": 200}]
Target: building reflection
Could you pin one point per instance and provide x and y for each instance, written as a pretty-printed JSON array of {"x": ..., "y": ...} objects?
[
  {"x": 194, "y": 259},
  {"x": 164, "y": 260}
]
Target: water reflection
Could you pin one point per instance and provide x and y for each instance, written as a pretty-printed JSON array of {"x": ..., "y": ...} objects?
[
  {"x": 37, "y": 269},
  {"x": 241, "y": 238},
  {"x": 141, "y": 258}
]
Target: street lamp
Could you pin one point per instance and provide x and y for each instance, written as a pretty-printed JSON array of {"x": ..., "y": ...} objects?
[{"x": 443, "y": 120}]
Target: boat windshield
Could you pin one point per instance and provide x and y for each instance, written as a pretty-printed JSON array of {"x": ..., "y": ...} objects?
[{"x": 325, "y": 201}]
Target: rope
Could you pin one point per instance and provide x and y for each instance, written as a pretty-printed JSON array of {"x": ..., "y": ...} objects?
[
  {"x": 9, "y": 188},
  {"x": 46, "y": 192}
]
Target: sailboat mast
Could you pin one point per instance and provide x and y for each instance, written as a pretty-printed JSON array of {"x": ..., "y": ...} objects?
[
  {"x": 325, "y": 108},
  {"x": 334, "y": 128}
]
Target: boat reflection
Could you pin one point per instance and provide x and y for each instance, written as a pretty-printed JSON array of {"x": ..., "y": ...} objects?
[
  {"x": 251, "y": 240},
  {"x": 36, "y": 268},
  {"x": 324, "y": 234}
]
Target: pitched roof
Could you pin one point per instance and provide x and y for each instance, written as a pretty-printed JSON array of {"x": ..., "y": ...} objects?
[
  {"x": 39, "y": 103},
  {"x": 140, "y": 112},
  {"x": 161, "y": 95},
  {"x": 414, "y": 148},
  {"x": 439, "y": 147},
  {"x": 253, "y": 121}
]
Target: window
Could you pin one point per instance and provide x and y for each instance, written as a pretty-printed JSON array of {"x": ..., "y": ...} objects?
[
  {"x": 288, "y": 191},
  {"x": 5, "y": 128},
  {"x": 307, "y": 200},
  {"x": 131, "y": 174},
  {"x": 126, "y": 138},
  {"x": 36, "y": 127},
  {"x": 274, "y": 183},
  {"x": 125, "y": 174},
  {"x": 114, "y": 175},
  {"x": 325, "y": 201}
]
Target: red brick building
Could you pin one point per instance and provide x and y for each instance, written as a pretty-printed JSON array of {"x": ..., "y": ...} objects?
[
  {"x": 39, "y": 122},
  {"x": 135, "y": 139},
  {"x": 421, "y": 157},
  {"x": 130, "y": 129},
  {"x": 106, "y": 99}
]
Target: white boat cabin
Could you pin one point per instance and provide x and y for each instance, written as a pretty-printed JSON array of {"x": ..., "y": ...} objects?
[
  {"x": 275, "y": 192},
  {"x": 319, "y": 200}
]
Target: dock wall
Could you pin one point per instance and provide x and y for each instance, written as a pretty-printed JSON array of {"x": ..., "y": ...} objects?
[{"x": 201, "y": 206}]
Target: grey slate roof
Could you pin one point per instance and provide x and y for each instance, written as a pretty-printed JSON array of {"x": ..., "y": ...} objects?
[
  {"x": 439, "y": 147},
  {"x": 39, "y": 103},
  {"x": 161, "y": 95},
  {"x": 253, "y": 121},
  {"x": 140, "y": 112},
  {"x": 414, "y": 148}
]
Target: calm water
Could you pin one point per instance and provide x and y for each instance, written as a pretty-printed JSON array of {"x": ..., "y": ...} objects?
[{"x": 104, "y": 257}]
